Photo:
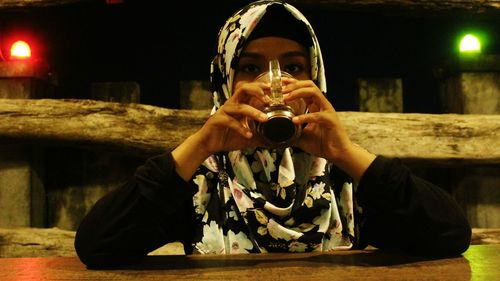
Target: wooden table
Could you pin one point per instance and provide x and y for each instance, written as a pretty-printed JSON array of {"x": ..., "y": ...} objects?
[{"x": 480, "y": 262}]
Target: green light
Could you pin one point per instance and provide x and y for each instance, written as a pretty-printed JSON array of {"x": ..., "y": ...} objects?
[{"x": 470, "y": 43}]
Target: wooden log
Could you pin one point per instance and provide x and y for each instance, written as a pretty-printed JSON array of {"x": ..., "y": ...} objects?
[
  {"x": 485, "y": 236},
  {"x": 145, "y": 130},
  {"x": 50, "y": 242},
  {"x": 422, "y": 5},
  {"x": 36, "y": 242},
  {"x": 441, "y": 138},
  {"x": 140, "y": 129},
  {"x": 35, "y": 3}
]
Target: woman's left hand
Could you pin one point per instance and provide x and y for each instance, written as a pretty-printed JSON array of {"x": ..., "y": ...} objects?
[{"x": 324, "y": 134}]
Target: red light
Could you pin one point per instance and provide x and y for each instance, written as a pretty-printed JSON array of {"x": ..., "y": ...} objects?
[{"x": 20, "y": 50}]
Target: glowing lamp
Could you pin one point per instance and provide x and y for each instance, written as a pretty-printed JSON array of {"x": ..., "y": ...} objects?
[
  {"x": 470, "y": 43},
  {"x": 20, "y": 50}
]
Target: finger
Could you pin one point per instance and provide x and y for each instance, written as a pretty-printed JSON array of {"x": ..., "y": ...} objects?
[
  {"x": 313, "y": 103},
  {"x": 293, "y": 85},
  {"x": 245, "y": 90},
  {"x": 288, "y": 80},
  {"x": 307, "y": 91},
  {"x": 246, "y": 110},
  {"x": 227, "y": 121},
  {"x": 320, "y": 117}
]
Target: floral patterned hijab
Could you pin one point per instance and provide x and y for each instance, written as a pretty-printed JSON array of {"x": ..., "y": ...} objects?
[
  {"x": 267, "y": 200},
  {"x": 233, "y": 37}
]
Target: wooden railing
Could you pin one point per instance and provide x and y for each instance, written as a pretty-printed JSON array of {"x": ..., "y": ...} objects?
[
  {"x": 479, "y": 6},
  {"x": 146, "y": 130}
]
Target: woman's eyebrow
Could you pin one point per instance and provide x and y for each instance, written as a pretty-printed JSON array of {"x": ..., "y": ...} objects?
[
  {"x": 253, "y": 55},
  {"x": 256, "y": 55},
  {"x": 294, "y": 54}
]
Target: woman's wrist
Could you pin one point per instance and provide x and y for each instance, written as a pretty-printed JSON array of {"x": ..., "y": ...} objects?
[
  {"x": 189, "y": 155},
  {"x": 354, "y": 160}
]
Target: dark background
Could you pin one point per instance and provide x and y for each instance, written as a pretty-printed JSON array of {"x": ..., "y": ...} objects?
[{"x": 159, "y": 43}]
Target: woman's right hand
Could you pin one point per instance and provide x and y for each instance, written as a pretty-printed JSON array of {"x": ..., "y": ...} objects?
[{"x": 225, "y": 129}]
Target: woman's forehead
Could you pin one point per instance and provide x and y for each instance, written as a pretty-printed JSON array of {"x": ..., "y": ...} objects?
[{"x": 273, "y": 47}]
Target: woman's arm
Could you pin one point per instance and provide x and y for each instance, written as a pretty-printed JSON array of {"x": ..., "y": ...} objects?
[
  {"x": 152, "y": 209},
  {"x": 156, "y": 206},
  {"x": 401, "y": 210}
]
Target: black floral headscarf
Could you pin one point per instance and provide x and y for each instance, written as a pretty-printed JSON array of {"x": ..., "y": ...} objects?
[
  {"x": 267, "y": 200},
  {"x": 233, "y": 37}
]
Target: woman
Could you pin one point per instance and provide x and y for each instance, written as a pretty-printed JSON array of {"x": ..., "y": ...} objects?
[{"x": 224, "y": 190}]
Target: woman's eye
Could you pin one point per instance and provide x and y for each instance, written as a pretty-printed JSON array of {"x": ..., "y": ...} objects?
[
  {"x": 293, "y": 68},
  {"x": 249, "y": 68}
]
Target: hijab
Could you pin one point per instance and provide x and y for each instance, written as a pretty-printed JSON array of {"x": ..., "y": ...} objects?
[
  {"x": 268, "y": 200},
  {"x": 282, "y": 20}
]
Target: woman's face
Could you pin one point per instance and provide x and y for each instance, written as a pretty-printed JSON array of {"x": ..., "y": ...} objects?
[{"x": 255, "y": 57}]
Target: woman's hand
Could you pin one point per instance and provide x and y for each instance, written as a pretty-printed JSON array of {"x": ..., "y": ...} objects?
[
  {"x": 324, "y": 135},
  {"x": 225, "y": 129}
]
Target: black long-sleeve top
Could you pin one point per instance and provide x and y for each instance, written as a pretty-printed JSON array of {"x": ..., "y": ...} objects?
[{"x": 155, "y": 207}]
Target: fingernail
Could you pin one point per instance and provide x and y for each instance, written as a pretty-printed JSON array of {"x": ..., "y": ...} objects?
[{"x": 265, "y": 85}]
